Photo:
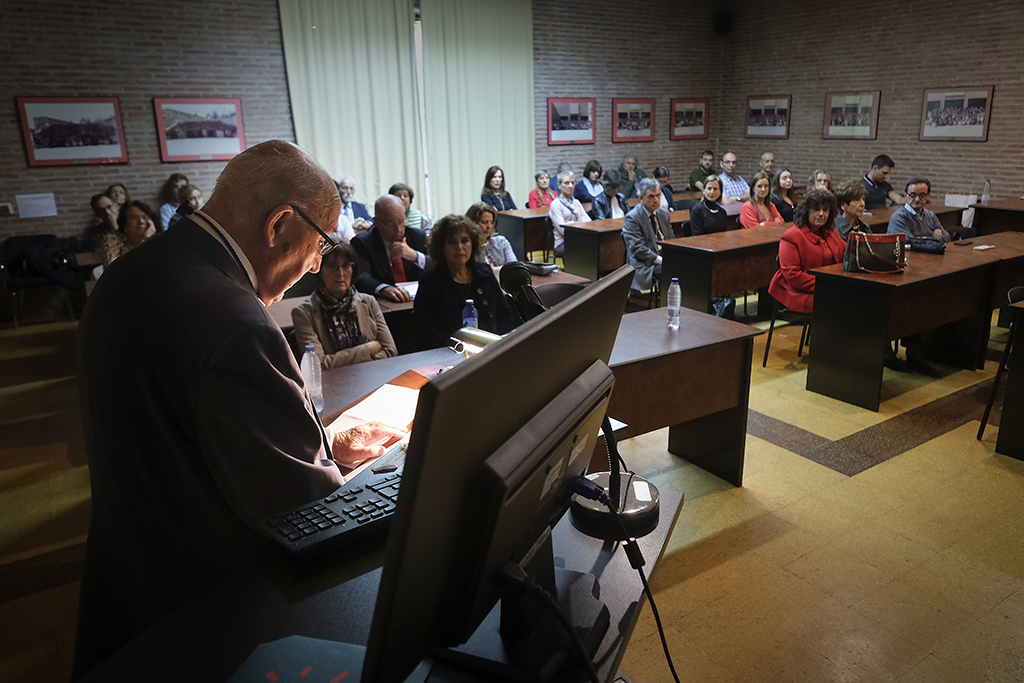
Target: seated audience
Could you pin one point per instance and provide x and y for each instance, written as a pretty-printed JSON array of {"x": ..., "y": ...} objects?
[
  {"x": 643, "y": 228},
  {"x": 543, "y": 195},
  {"x": 494, "y": 190},
  {"x": 169, "y": 198},
  {"x": 850, "y": 197},
  {"x": 820, "y": 180},
  {"x": 188, "y": 194},
  {"x": 136, "y": 223},
  {"x": 913, "y": 219},
  {"x": 661, "y": 174},
  {"x": 707, "y": 215},
  {"x": 610, "y": 203},
  {"x": 565, "y": 209},
  {"x": 455, "y": 277},
  {"x": 588, "y": 188},
  {"x": 413, "y": 218},
  {"x": 389, "y": 252},
  {"x": 354, "y": 218},
  {"x": 734, "y": 188},
  {"x": 811, "y": 243},
  {"x": 782, "y": 194},
  {"x": 118, "y": 193},
  {"x": 707, "y": 161},
  {"x": 767, "y": 162},
  {"x": 759, "y": 210},
  {"x": 495, "y": 250},
  {"x": 629, "y": 174},
  {"x": 104, "y": 214},
  {"x": 880, "y": 192},
  {"x": 344, "y": 326}
]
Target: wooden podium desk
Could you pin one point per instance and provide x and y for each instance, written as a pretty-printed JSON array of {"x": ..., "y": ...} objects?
[
  {"x": 951, "y": 296},
  {"x": 596, "y": 248},
  {"x": 1011, "y": 428},
  {"x": 999, "y": 216},
  {"x": 525, "y": 229},
  {"x": 721, "y": 264}
]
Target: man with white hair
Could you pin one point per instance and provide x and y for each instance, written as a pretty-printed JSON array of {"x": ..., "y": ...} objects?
[
  {"x": 197, "y": 421},
  {"x": 354, "y": 218}
]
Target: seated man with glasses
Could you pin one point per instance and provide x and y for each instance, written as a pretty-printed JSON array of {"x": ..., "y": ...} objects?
[
  {"x": 913, "y": 219},
  {"x": 390, "y": 252}
]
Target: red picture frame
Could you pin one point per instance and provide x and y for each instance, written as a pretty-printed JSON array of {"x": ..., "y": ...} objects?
[
  {"x": 633, "y": 119},
  {"x": 691, "y": 118},
  {"x": 572, "y": 121},
  {"x": 199, "y": 129},
  {"x": 68, "y": 131}
]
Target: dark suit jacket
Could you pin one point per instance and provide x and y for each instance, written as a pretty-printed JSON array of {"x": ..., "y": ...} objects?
[
  {"x": 440, "y": 300},
  {"x": 359, "y": 211},
  {"x": 642, "y": 242},
  {"x": 374, "y": 264},
  {"x": 602, "y": 206},
  {"x": 667, "y": 191},
  {"x": 197, "y": 426}
]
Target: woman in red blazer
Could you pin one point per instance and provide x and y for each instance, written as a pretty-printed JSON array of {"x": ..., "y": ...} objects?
[{"x": 812, "y": 242}]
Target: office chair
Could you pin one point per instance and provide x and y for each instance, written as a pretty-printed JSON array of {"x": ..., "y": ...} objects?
[
  {"x": 557, "y": 292},
  {"x": 803, "y": 319},
  {"x": 33, "y": 262},
  {"x": 1014, "y": 295},
  {"x": 549, "y": 241}
]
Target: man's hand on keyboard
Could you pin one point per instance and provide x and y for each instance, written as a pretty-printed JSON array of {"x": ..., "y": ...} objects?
[{"x": 365, "y": 442}]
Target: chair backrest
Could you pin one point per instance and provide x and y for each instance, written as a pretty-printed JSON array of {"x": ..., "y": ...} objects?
[
  {"x": 549, "y": 228},
  {"x": 1015, "y": 294},
  {"x": 556, "y": 292}
]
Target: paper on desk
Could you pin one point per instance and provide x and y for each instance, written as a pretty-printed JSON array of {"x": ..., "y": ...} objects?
[
  {"x": 36, "y": 205},
  {"x": 411, "y": 287},
  {"x": 394, "y": 406}
]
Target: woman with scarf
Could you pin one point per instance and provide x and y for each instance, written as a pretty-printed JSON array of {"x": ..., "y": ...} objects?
[{"x": 344, "y": 326}]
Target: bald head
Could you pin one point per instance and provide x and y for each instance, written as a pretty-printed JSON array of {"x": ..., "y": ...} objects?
[{"x": 389, "y": 218}]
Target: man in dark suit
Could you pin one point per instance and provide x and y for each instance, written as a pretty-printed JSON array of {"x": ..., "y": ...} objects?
[
  {"x": 354, "y": 218},
  {"x": 196, "y": 418},
  {"x": 642, "y": 228},
  {"x": 389, "y": 252}
]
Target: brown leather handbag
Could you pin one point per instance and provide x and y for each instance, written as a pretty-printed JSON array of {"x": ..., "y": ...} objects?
[{"x": 877, "y": 254}]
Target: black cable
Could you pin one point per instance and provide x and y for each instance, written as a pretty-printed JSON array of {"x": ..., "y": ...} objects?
[{"x": 515, "y": 575}]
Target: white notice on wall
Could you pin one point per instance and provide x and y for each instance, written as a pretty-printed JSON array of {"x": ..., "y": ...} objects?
[{"x": 36, "y": 205}]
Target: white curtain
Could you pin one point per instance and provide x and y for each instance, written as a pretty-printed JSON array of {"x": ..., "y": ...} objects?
[
  {"x": 478, "y": 94},
  {"x": 351, "y": 75}
]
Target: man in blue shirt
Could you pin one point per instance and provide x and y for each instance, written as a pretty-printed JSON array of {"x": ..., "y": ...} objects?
[
  {"x": 912, "y": 219},
  {"x": 734, "y": 187}
]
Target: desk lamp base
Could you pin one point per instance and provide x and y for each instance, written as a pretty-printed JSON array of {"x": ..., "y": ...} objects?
[{"x": 639, "y": 505}]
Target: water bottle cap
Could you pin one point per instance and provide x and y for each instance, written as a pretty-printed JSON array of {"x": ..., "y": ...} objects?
[
  {"x": 675, "y": 279},
  {"x": 469, "y": 301},
  {"x": 310, "y": 347}
]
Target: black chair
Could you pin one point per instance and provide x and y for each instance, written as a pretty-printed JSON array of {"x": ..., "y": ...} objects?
[
  {"x": 557, "y": 292},
  {"x": 793, "y": 318},
  {"x": 36, "y": 261},
  {"x": 1014, "y": 295},
  {"x": 549, "y": 241}
]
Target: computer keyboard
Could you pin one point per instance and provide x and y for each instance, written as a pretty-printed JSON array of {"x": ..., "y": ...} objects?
[{"x": 360, "y": 508}]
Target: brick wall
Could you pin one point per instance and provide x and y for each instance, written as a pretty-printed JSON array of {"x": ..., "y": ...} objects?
[
  {"x": 606, "y": 49},
  {"x": 136, "y": 51},
  {"x": 898, "y": 49}
]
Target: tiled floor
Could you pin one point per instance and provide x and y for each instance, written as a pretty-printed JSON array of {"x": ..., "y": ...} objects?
[{"x": 909, "y": 570}]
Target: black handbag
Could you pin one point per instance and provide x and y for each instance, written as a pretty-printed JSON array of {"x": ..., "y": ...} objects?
[
  {"x": 927, "y": 245},
  {"x": 879, "y": 254}
]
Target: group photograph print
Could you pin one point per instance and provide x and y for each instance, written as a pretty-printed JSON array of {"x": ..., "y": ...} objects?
[
  {"x": 956, "y": 114},
  {"x": 66, "y": 131},
  {"x": 633, "y": 120},
  {"x": 768, "y": 116},
  {"x": 571, "y": 121},
  {"x": 195, "y": 129},
  {"x": 851, "y": 115},
  {"x": 689, "y": 119}
]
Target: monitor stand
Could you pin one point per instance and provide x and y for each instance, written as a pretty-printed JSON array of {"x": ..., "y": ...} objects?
[{"x": 523, "y": 641}]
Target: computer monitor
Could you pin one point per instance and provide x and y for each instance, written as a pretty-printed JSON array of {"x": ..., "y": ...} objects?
[{"x": 494, "y": 443}]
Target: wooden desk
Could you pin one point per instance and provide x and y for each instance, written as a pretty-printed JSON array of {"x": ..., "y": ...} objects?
[
  {"x": 525, "y": 229},
  {"x": 951, "y": 296},
  {"x": 695, "y": 380},
  {"x": 596, "y": 248},
  {"x": 999, "y": 216},
  {"x": 721, "y": 264},
  {"x": 1011, "y": 428}
]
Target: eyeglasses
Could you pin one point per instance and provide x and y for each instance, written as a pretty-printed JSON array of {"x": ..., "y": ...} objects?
[
  {"x": 328, "y": 244},
  {"x": 918, "y": 195}
]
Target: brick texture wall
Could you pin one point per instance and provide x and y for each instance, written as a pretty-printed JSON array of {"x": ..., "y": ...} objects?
[
  {"x": 898, "y": 49},
  {"x": 136, "y": 51}
]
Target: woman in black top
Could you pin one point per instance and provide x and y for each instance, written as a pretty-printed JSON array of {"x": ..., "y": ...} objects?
[
  {"x": 782, "y": 194},
  {"x": 456, "y": 276},
  {"x": 707, "y": 216},
  {"x": 494, "y": 190}
]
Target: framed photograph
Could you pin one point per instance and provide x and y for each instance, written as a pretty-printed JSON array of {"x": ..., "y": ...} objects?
[
  {"x": 956, "y": 114},
  {"x": 64, "y": 131},
  {"x": 689, "y": 119},
  {"x": 768, "y": 116},
  {"x": 571, "y": 121},
  {"x": 633, "y": 120},
  {"x": 199, "y": 129},
  {"x": 851, "y": 115}
]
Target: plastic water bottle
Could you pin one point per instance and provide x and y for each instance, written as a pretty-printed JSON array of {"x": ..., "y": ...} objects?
[
  {"x": 987, "y": 192},
  {"x": 675, "y": 296},
  {"x": 311, "y": 376},
  {"x": 470, "y": 318}
]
